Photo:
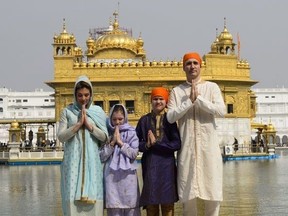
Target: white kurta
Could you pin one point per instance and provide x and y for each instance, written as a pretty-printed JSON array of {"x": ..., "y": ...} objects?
[{"x": 200, "y": 170}]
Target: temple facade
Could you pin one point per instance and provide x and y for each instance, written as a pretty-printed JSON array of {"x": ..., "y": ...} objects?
[{"x": 117, "y": 66}]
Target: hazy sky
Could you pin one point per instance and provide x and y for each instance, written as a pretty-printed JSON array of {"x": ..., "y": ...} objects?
[{"x": 169, "y": 28}]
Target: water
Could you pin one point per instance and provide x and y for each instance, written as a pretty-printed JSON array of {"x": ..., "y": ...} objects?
[
  {"x": 256, "y": 187},
  {"x": 30, "y": 190},
  {"x": 251, "y": 188}
]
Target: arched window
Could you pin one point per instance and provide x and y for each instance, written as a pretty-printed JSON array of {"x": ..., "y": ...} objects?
[
  {"x": 278, "y": 143},
  {"x": 14, "y": 137},
  {"x": 285, "y": 140}
]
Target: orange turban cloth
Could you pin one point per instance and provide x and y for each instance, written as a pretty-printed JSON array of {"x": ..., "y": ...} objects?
[
  {"x": 160, "y": 91},
  {"x": 191, "y": 55}
]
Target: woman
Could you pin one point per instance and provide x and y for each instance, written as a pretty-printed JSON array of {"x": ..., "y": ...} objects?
[{"x": 82, "y": 129}]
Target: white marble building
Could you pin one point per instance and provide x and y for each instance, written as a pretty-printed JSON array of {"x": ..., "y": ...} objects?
[
  {"x": 272, "y": 107},
  {"x": 28, "y": 105}
]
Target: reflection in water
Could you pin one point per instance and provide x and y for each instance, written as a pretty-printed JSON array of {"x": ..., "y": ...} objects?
[
  {"x": 251, "y": 188},
  {"x": 30, "y": 190}
]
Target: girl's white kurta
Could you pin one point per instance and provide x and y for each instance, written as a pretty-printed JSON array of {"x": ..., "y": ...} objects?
[{"x": 199, "y": 160}]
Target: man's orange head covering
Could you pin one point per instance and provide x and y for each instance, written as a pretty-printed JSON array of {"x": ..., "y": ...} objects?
[
  {"x": 191, "y": 55},
  {"x": 160, "y": 91}
]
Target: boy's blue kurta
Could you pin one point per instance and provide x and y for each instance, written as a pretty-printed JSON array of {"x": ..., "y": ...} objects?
[{"x": 158, "y": 162}]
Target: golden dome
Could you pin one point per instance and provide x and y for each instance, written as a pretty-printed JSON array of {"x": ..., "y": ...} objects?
[
  {"x": 90, "y": 41},
  {"x": 116, "y": 38},
  {"x": 225, "y": 34},
  {"x": 214, "y": 46},
  {"x": 14, "y": 125},
  {"x": 270, "y": 128},
  {"x": 140, "y": 41},
  {"x": 41, "y": 129},
  {"x": 64, "y": 36}
]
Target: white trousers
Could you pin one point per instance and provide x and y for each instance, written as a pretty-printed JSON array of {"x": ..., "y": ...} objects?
[{"x": 211, "y": 208}]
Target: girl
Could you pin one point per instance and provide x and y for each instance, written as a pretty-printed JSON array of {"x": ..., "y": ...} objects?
[{"x": 120, "y": 174}]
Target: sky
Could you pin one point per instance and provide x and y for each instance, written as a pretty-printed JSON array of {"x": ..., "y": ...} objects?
[{"x": 169, "y": 29}]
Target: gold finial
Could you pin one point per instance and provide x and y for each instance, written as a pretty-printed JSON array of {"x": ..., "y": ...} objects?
[
  {"x": 216, "y": 32},
  {"x": 64, "y": 25},
  {"x": 224, "y": 22},
  {"x": 115, "y": 14},
  {"x": 140, "y": 41},
  {"x": 115, "y": 25},
  {"x": 14, "y": 124}
]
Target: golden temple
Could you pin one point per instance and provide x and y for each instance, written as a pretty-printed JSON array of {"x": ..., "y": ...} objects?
[{"x": 117, "y": 66}]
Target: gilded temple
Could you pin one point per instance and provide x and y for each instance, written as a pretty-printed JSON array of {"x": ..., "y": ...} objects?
[{"x": 116, "y": 64}]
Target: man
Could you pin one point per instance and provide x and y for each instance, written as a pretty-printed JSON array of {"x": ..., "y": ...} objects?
[{"x": 195, "y": 104}]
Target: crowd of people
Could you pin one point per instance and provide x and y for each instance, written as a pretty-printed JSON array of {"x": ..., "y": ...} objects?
[{"x": 99, "y": 168}]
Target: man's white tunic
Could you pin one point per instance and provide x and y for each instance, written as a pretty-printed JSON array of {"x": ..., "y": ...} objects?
[{"x": 200, "y": 168}]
